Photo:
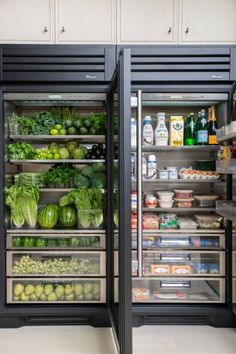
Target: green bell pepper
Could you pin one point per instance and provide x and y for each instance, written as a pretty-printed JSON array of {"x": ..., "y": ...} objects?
[
  {"x": 40, "y": 242},
  {"x": 17, "y": 242},
  {"x": 28, "y": 242}
]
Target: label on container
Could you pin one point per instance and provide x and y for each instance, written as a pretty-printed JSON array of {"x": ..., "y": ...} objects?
[
  {"x": 202, "y": 136},
  {"x": 212, "y": 140},
  {"x": 152, "y": 169}
]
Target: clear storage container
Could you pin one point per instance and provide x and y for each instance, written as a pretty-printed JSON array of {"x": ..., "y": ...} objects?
[
  {"x": 206, "y": 201},
  {"x": 209, "y": 221}
]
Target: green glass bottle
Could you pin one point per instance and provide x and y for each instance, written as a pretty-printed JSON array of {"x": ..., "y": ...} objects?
[
  {"x": 202, "y": 129},
  {"x": 190, "y": 130}
]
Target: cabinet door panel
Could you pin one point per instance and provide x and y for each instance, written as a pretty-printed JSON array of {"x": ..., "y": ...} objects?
[
  {"x": 26, "y": 21},
  {"x": 86, "y": 21},
  {"x": 149, "y": 21},
  {"x": 208, "y": 20}
]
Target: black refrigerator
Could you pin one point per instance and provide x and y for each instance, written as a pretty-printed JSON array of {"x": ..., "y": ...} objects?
[{"x": 181, "y": 254}]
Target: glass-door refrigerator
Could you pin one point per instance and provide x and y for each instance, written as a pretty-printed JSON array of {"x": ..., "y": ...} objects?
[{"x": 181, "y": 247}]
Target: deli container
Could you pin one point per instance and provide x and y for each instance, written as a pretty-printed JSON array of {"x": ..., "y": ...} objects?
[
  {"x": 186, "y": 223},
  {"x": 184, "y": 203},
  {"x": 165, "y": 196},
  {"x": 209, "y": 221},
  {"x": 165, "y": 204},
  {"x": 206, "y": 201},
  {"x": 183, "y": 193}
]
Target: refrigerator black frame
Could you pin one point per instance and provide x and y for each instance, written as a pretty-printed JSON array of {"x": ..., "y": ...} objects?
[{"x": 212, "y": 314}]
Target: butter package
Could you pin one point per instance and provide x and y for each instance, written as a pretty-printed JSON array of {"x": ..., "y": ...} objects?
[{"x": 176, "y": 130}]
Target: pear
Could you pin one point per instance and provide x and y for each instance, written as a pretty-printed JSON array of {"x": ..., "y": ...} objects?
[
  {"x": 52, "y": 296},
  {"x": 78, "y": 289},
  {"x": 33, "y": 297},
  {"x": 43, "y": 297},
  {"x": 59, "y": 291},
  {"x": 68, "y": 289},
  {"x": 48, "y": 289},
  {"x": 70, "y": 297},
  {"x": 18, "y": 289},
  {"x": 24, "y": 297},
  {"x": 38, "y": 289},
  {"x": 29, "y": 289}
]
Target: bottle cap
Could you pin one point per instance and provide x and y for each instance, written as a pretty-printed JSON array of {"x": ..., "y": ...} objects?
[
  {"x": 152, "y": 158},
  {"x": 161, "y": 115},
  {"x": 148, "y": 118}
]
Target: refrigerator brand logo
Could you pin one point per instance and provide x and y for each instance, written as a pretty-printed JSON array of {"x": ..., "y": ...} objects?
[
  {"x": 55, "y": 97},
  {"x": 214, "y": 76},
  {"x": 91, "y": 76}
]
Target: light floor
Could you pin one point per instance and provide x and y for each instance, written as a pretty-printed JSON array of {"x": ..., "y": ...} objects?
[{"x": 88, "y": 340}]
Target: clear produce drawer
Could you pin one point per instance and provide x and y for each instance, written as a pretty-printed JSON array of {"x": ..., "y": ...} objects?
[
  {"x": 182, "y": 241},
  {"x": 183, "y": 263},
  {"x": 61, "y": 290},
  {"x": 56, "y": 241},
  {"x": 189, "y": 290},
  {"x": 20, "y": 264}
]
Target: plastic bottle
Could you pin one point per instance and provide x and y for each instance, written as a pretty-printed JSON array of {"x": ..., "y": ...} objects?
[
  {"x": 148, "y": 134},
  {"x": 133, "y": 132},
  {"x": 161, "y": 132},
  {"x": 152, "y": 167}
]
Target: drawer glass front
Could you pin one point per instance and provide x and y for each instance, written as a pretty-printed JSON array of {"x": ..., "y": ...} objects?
[
  {"x": 54, "y": 263},
  {"x": 56, "y": 291},
  {"x": 190, "y": 290}
]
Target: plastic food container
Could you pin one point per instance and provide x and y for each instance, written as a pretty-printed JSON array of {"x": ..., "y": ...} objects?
[
  {"x": 173, "y": 172},
  {"x": 150, "y": 221},
  {"x": 183, "y": 193},
  {"x": 164, "y": 204},
  {"x": 184, "y": 203},
  {"x": 187, "y": 223},
  {"x": 165, "y": 196},
  {"x": 140, "y": 294},
  {"x": 163, "y": 174},
  {"x": 150, "y": 201},
  {"x": 208, "y": 221},
  {"x": 205, "y": 201},
  {"x": 168, "y": 221}
]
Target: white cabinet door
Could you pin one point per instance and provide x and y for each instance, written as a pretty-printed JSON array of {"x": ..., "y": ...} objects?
[
  {"x": 208, "y": 21},
  {"x": 147, "y": 21},
  {"x": 26, "y": 21},
  {"x": 85, "y": 21}
]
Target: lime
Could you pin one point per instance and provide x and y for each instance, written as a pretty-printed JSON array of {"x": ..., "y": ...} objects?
[
  {"x": 54, "y": 132},
  {"x": 69, "y": 123},
  {"x": 83, "y": 131},
  {"x": 56, "y": 156},
  {"x": 62, "y": 131},
  {"x": 58, "y": 126},
  {"x": 72, "y": 131}
]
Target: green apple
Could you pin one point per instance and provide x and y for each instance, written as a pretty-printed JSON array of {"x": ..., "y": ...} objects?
[{"x": 48, "y": 289}]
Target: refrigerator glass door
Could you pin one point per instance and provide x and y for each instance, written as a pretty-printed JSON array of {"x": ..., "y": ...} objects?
[{"x": 119, "y": 207}]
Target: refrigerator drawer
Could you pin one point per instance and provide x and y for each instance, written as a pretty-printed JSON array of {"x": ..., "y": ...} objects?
[
  {"x": 21, "y": 264},
  {"x": 181, "y": 241},
  {"x": 189, "y": 290},
  {"x": 46, "y": 290},
  {"x": 55, "y": 241},
  {"x": 183, "y": 263}
]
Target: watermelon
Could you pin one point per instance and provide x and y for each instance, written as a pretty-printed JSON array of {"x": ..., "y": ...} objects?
[
  {"x": 68, "y": 216},
  {"x": 48, "y": 216}
]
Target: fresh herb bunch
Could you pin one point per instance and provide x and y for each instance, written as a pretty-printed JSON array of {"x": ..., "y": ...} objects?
[
  {"x": 21, "y": 151},
  {"x": 59, "y": 175}
]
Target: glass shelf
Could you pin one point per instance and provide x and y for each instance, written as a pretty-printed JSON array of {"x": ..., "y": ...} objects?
[{"x": 227, "y": 209}]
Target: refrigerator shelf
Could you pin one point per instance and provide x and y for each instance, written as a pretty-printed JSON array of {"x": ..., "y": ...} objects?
[
  {"x": 175, "y": 209},
  {"x": 179, "y": 181},
  {"x": 58, "y": 138},
  {"x": 55, "y": 231},
  {"x": 194, "y": 148},
  {"x": 79, "y": 291},
  {"x": 74, "y": 162},
  {"x": 62, "y": 190},
  {"x": 227, "y": 209},
  {"x": 181, "y": 231}
]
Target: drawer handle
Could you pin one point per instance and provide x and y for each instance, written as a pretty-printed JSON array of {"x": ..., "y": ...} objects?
[
  {"x": 173, "y": 285},
  {"x": 170, "y": 30},
  {"x": 175, "y": 257},
  {"x": 63, "y": 29},
  {"x": 187, "y": 30},
  {"x": 45, "y": 29}
]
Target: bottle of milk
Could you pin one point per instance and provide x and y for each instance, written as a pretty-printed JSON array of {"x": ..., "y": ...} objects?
[
  {"x": 161, "y": 132},
  {"x": 152, "y": 167},
  {"x": 148, "y": 134}
]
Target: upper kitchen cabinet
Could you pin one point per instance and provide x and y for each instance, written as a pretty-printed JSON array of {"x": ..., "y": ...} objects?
[
  {"x": 147, "y": 21},
  {"x": 85, "y": 21},
  {"x": 209, "y": 21},
  {"x": 27, "y": 21}
]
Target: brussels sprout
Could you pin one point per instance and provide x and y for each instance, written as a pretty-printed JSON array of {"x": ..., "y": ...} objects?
[
  {"x": 18, "y": 289},
  {"x": 88, "y": 288},
  {"x": 52, "y": 296},
  {"x": 59, "y": 291},
  {"x": 38, "y": 289},
  {"x": 48, "y": 289},
  {"x": 29, "y": 289},
  {"x": 78, "y": 289},
  {"x": 68, "y": 289}
]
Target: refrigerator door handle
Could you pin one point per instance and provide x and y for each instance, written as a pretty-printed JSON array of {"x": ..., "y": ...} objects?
[{"x": 139, "y": 181}]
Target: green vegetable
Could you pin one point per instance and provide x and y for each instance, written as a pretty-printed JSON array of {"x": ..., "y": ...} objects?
[
  {"x": 98, "y": 167},
  {"x": 48, "y": 216},
  {"x": 64, "y": 153},
  {"x": 60, "y": 175},
  {"x": 71, "y": 145},
  {"x": 78, "y": 153},
  {"x": 98, "y": 180},
  {"x": 62, "y": 242},
  {"x": 87, "y": 171},
  {"x": 17, "y": 242},
  {"x": 74, "y": 241},
  {"x": 28, "y": 200},
  {"x": 28, "y": 241},
  {"x": 52, "y": 243},
  {"x": 81, "y": 181},
  {"x": 40, "y": 242},
  {"x": 21, "y": 151},
  {"x": 67, "y": 216}
]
